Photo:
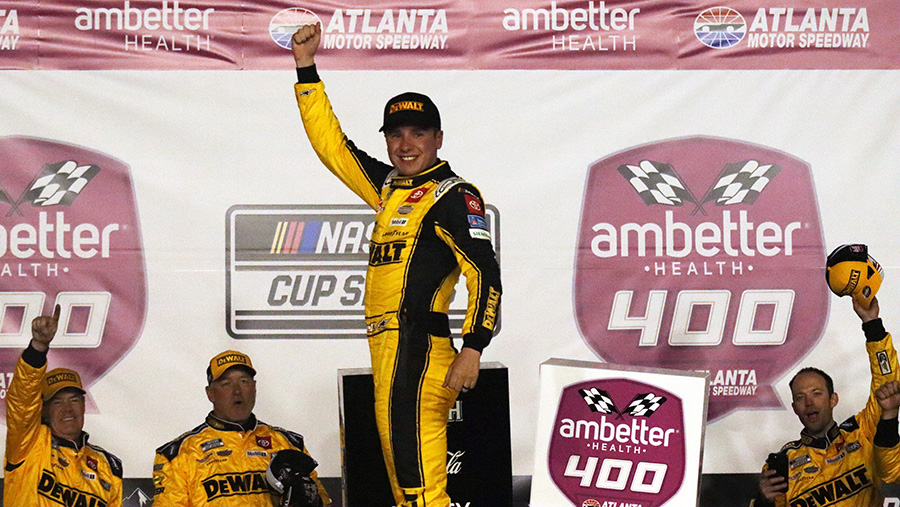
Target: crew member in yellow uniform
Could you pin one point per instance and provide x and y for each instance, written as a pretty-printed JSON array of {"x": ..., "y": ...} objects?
[
  {"x": 429, "y": 227},
  {"x": 834, "y": 464},
  {"x": 49, "y": 461},
  {"x": 223, "y": 462}
]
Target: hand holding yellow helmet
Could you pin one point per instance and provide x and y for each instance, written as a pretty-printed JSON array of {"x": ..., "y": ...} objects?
[{"x": 850, "y": 270}]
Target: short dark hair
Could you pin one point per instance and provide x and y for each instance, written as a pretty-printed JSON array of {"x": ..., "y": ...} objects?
[{"x": 829, "y": 383}]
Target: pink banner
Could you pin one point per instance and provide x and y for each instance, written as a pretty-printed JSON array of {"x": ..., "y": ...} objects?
[{"x": 453, "y": 34}]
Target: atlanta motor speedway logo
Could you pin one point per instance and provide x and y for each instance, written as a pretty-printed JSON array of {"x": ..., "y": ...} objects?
[
  {"x": 68, "y": 221},
  {"x": 785, "y": 28},
  {"x": 720, "y": 27},
  {"x": 702, "y": 254},
  {"x": 299, "y": 271},
  {"x": 288, "y": 21}
]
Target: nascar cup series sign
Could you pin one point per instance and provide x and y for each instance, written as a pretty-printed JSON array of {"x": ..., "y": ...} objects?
[
  {"x": 609, "y": 437},
  {"x": 69, "y": 236},
  {"x": 703, "y": 254},
  {"x": 299, "y": 271}
]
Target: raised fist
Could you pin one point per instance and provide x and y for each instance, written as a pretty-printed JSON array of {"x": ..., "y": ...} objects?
[
  {"x": 43, "y": 329},
  {"x": 888, "y": 396},
  {"x": 305, "y": 43}
]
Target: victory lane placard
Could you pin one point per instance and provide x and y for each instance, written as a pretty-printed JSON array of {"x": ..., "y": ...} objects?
[
  {"x": 69, "y": 235},
  {"x": 611, "y": 435}
]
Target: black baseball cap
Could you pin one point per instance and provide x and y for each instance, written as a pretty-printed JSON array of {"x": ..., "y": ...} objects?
[{"x": 410, "y": 108}]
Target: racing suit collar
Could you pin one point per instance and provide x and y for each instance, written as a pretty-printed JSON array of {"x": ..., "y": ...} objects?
[
  {"x": 223, "y": 425},
  {"x": 76, "y": 444},
  {"x": 439, "y": 171},
  {"x": 823, "y": 442}
]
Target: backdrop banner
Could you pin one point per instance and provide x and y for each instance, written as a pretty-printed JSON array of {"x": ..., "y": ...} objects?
[{"x": 662, "y": 181}]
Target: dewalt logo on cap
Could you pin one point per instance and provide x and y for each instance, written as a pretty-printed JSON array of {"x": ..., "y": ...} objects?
[
  {"x": 233, "y": 358},
  {"x": 407, "y": 105},
  {"x": 61, "y": 377},
  {"x": 58, "y": 379},
  {"x": 221, "y": 362}
]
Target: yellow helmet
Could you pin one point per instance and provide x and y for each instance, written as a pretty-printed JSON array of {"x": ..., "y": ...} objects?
[{"x": 850, "y": 270}]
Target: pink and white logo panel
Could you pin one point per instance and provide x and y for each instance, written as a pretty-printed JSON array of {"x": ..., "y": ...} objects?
[
  {"x": 617, "y": 440},
  {"x": 702, "y": 254},
  {"x": 69, "y": 235}
]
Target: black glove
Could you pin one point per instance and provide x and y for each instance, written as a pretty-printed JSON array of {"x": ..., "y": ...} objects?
[{"x": 288, "y": 475}]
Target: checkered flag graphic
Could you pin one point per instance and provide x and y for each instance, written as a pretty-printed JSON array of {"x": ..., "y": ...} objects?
[
  {"x": 741, "y": 183},
  {"x": 59, "y": 184},
  {"x": 644, "y": 405},
  {"x": 598, "y": 400},
  {"x": 656, "y": 183}
]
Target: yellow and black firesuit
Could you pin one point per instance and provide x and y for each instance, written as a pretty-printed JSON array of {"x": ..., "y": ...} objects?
[
  {"x": 222, "y": 464},
  {"x": 43, "y": 470},
  {"x": 429, "y": 227},
  {"x": 839, "y": 469}
]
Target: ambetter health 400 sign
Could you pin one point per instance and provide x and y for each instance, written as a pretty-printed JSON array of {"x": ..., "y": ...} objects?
[
  {"x": 703, "y": 254},
  {"x": 610, "y": 436},
  {"x": 69, "y": 235}
]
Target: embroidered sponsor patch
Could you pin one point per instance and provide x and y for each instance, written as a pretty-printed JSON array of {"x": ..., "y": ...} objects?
[
  {"x": 490, "y": 311},
  {"x": 257, "y": 454},
  {"x": 883, "y": 362},
  {"x": 405, "y": 210},
  {"x": 89, "y": 475},
  {"x": 398, "y": 222},
  {"x": 157, "y": 467},
  {"x": 224, "y": 452},
  {"x": 853, "y": 446},
  {"x": 264, "y": 442},
  {"x": 477, "y": 221},
  {"x": 474, "y": 204},
  {"x": 835, "y": 459},
  {"x": 480, "y": 234},
  {"x": 811, "y": 470},
  {"x": 799, "y": 461},
  {"x": 446, "y": 185},
  {"x": 105, "y": 485},
  {"x": 211, "y": 444},
  {"x": 91, "y": 463},
  {"x": 416, "y": 195}
]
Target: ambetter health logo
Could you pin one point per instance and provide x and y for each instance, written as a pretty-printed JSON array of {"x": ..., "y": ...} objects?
[
  {"x": 618, "y": 441},
  {"x": 703, "y": 254},
  {"x": 69, "y": 235}
]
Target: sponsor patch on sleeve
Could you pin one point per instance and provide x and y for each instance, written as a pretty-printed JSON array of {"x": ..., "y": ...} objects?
[
  {"x": 478, "y": 222},
  {"x": 474, "y": 205},
  {"x": 883, "y": 362},
  {"x": 480, "y": 234}
]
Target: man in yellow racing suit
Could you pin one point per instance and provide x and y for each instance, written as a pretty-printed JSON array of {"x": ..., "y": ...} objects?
[
  {"x": 49, "y": 461},
  {"x": 430, "y": 227},
  {"x": 223, "y": 462},
  {"x": 834, "y": 464}
]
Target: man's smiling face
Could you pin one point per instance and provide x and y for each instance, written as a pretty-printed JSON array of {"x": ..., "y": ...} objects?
[{"x": 413, "y": 149}]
